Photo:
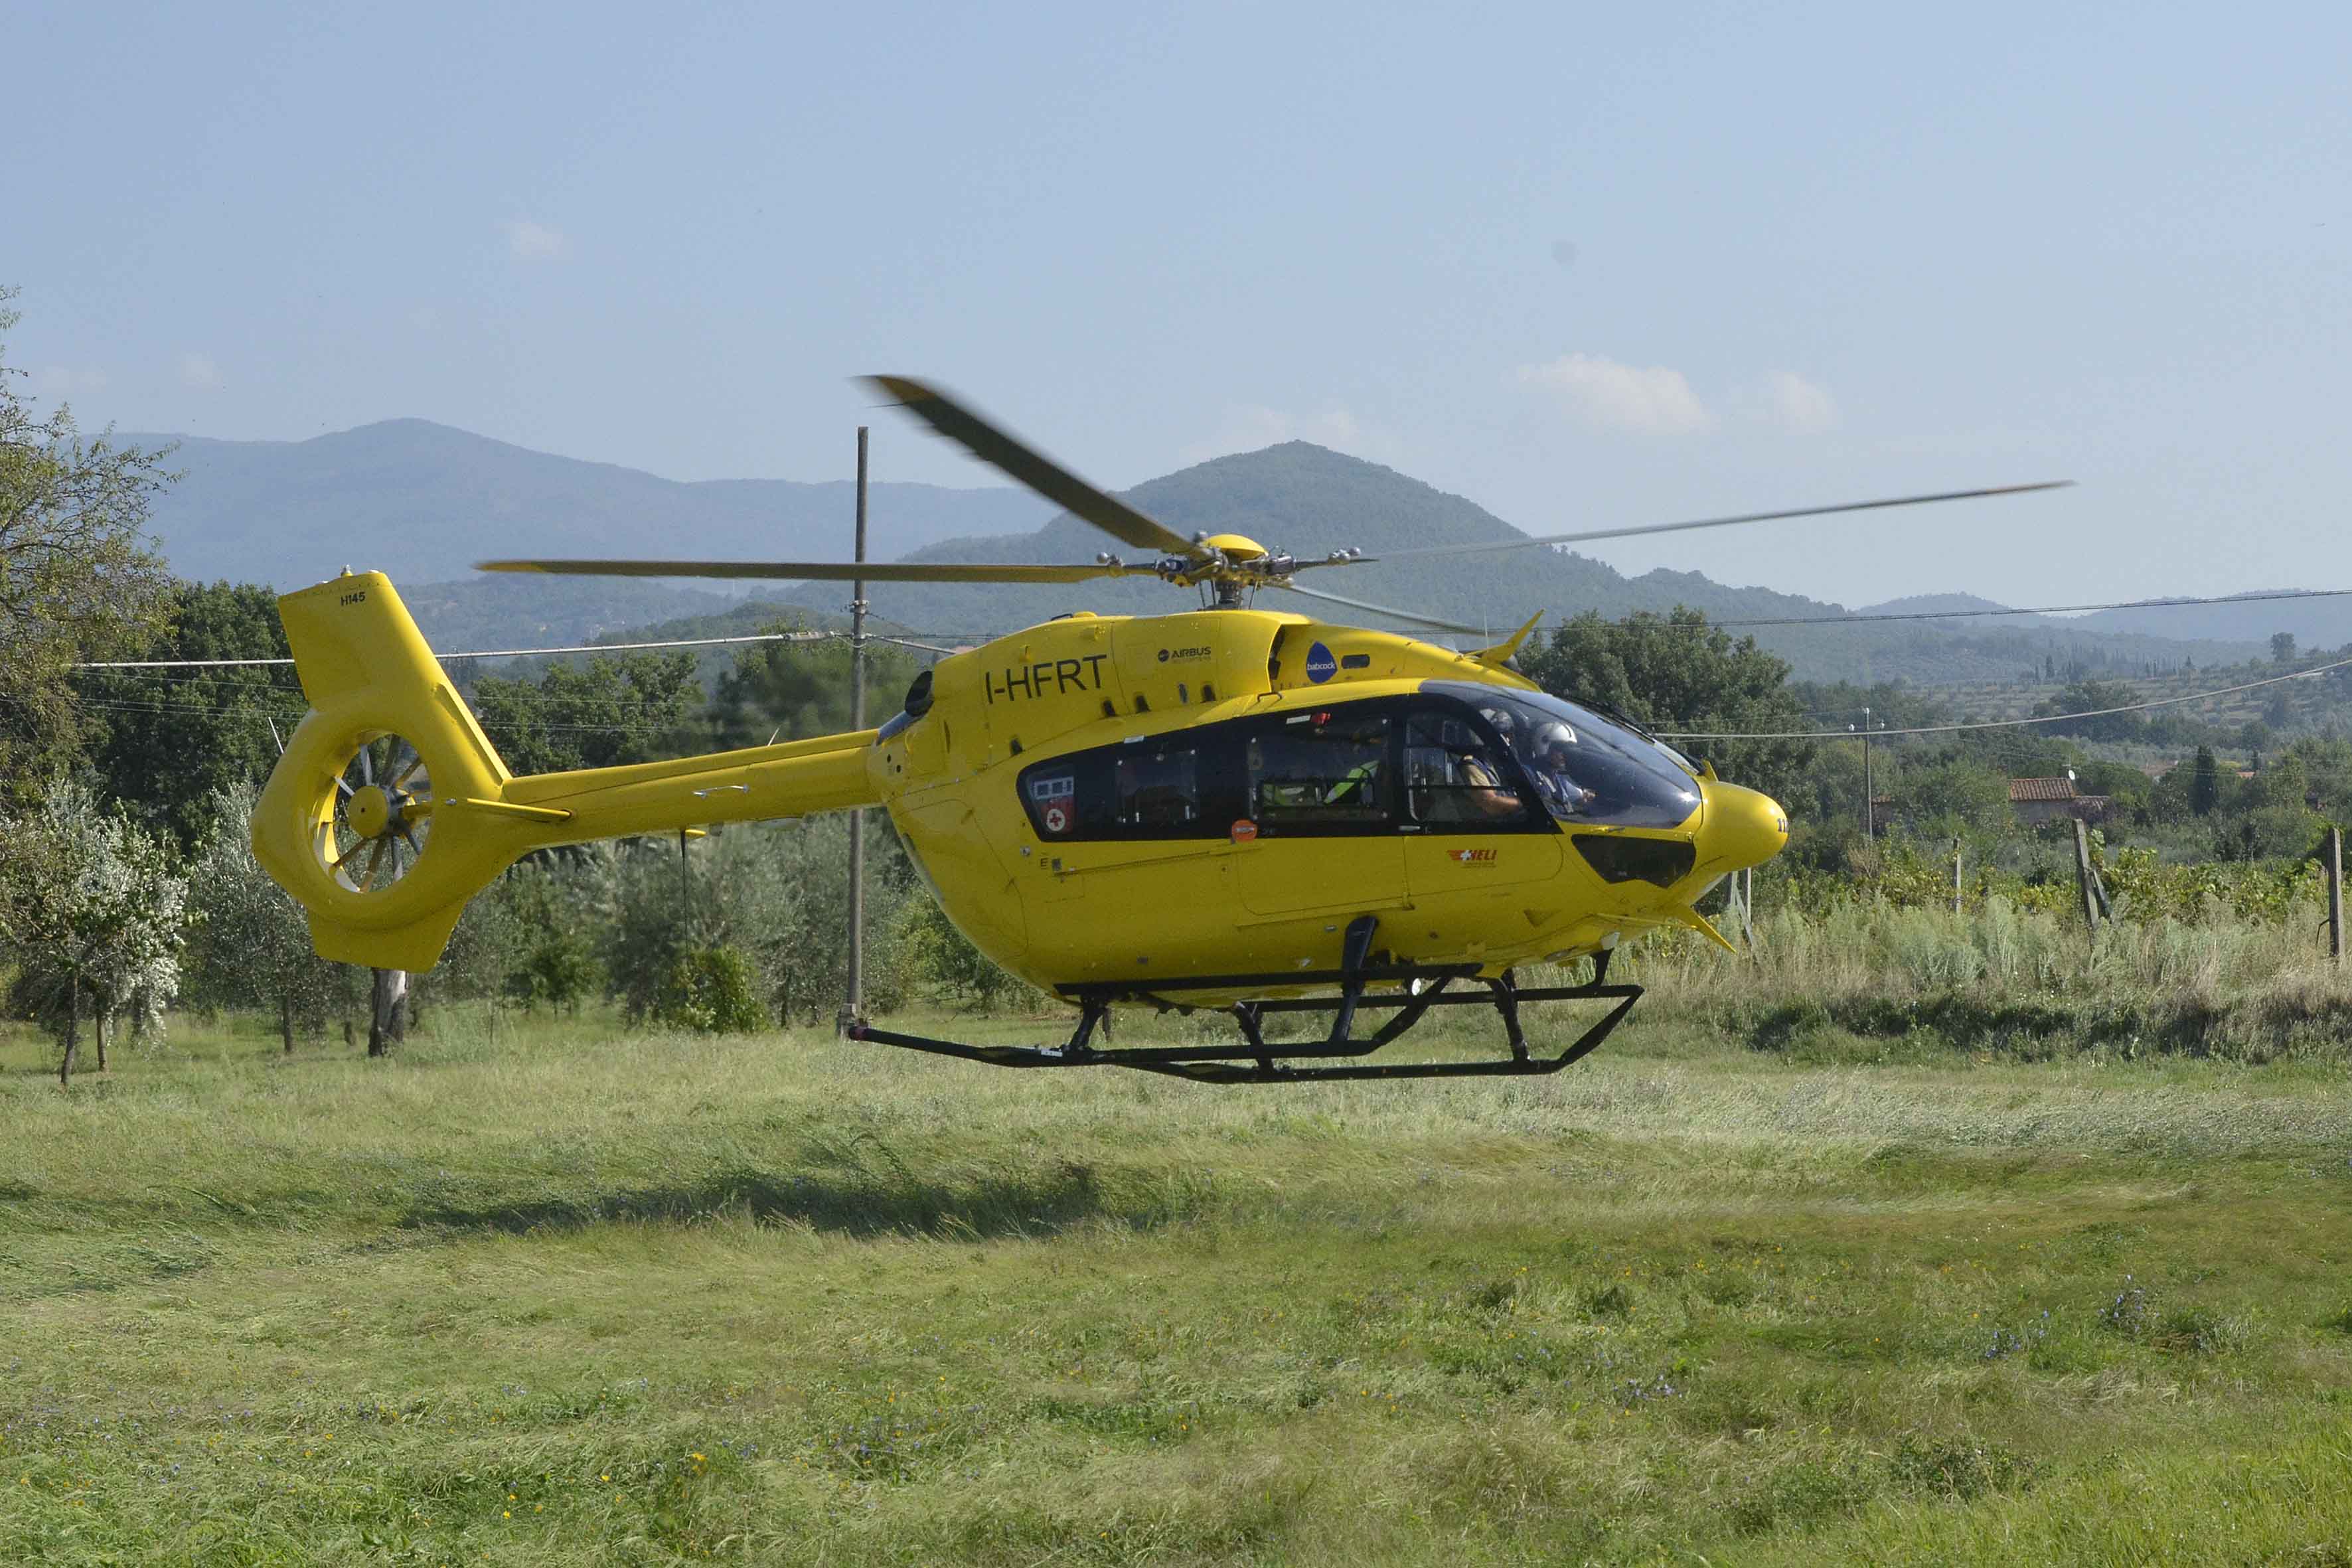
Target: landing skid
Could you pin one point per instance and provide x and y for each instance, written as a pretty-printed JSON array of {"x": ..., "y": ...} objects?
[{"x": 1254, "y": 1059}]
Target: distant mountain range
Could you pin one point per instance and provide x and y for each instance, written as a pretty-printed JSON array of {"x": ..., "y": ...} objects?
[
  {"x": 2249, "y": 617},
  {"x": 423, "y": 501}
]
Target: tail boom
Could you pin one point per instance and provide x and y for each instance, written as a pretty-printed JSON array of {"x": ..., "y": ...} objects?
[{"x": 368, "y": 673}]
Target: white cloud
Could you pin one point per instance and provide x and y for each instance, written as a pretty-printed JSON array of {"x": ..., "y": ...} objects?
[
  {"x": 1799, "y": 406},
  {"x": 65, "y": 381},
  {"x": 1655, "y": 400},
  {"x": 1246, "y": 427},
  {"x": 528, "y": 241},
  {"x": 199, "y": 371}
]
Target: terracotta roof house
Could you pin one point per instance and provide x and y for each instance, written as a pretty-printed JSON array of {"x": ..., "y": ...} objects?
[{"x": 2037, "y": 801}]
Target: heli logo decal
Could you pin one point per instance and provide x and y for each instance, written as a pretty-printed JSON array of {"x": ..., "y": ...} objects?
[
  {"x": 1181, "y": 654},
  {"x": 1471, "y": 856},
  {"x": 1320, "y": 666},
  {"x": 1049, "y": 679}
]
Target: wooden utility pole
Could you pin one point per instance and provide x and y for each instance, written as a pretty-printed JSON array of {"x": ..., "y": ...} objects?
[
  {"x": 852, "y": 1006},
  {"x": 2083, "y": 875},
  {"x": 2336, "y": 894}
]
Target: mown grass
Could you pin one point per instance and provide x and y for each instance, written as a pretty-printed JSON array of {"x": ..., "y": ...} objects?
[{"x": 565, "y": 1294}]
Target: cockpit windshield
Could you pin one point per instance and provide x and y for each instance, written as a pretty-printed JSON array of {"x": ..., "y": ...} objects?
[{"x": 1585, "y": 768}]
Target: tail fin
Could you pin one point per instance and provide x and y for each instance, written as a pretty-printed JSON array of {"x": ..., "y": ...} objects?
[{"x": 385, "y": 866}]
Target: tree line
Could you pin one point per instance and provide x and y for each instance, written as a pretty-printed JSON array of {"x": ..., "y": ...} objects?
[{"x": 127, "y": 886}]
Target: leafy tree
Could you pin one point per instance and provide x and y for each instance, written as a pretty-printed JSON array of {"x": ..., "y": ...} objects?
[
  {"x": 170, "y": 741},
  {"x": 1677, "y": 673},
  {"x": 1956, "y": 795},
  {"x": 779, "y": 895},
  {"x": 946, "y": 957},
  {"x": 2282, "y": 647},
  {"x": 2127, "y": 789},
  {"x": 252, "y": 946},
  {"x": 553, "y": 959},
  {"x": 2205, "y": 782},
  {"x": 2093, "y": 697},
  {"x": 90, "y": 912},
  {"x": 605, "y": 713},
  {"x": 2326, "y": 762},
  {"x": 788, "y": 691},
  {"x": 79, "y": 576}
]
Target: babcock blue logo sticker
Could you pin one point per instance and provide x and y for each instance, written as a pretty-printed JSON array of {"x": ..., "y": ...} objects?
[{"x": 1320, "y": 666}]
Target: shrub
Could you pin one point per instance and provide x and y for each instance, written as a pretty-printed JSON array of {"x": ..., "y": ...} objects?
[{"x": 710, "y": 991}]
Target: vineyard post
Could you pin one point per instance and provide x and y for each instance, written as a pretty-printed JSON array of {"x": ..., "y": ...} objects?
[
  {"x": 2336, "y": 894},
  {"x": 2082, "y": 876}
]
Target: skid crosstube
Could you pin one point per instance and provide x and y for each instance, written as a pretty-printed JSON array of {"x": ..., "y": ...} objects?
[{"x": 1253, "y": 1059}]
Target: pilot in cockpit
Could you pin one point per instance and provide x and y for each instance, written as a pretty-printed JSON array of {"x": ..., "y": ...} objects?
[{"x": 1552, "y": 757}]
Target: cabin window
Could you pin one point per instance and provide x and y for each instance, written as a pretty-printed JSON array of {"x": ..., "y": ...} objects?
[
  {"x": 1146, "y": 788},
  {"x": 1155, "y": 788},
  {"x": 1458, "y": 778},
  {"x": 1322, "y": 773}
]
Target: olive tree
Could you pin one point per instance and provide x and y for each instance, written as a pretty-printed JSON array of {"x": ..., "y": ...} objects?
[
  {"x": 252, "y": 943},
  {"x": 91, "y": 914}
]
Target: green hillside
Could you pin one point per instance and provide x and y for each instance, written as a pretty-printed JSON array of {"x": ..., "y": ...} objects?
[{"x": 498, "y": 610}]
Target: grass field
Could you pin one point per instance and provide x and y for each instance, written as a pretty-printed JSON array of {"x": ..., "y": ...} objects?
[{"x": 561, "y": 1294}]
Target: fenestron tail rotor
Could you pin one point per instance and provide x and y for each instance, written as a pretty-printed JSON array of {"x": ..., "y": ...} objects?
[
  {"x": 1228, "y": 566},
  {"x": 381, "y": 819}
]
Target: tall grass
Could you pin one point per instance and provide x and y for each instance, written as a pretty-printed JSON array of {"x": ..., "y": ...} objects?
[{"x": 2002, "y": 977}]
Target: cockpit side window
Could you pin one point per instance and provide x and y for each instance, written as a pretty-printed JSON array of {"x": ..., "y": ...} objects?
[
  {"x": 1456, "y": 777},
  {"x": 1584, "y": 768}
]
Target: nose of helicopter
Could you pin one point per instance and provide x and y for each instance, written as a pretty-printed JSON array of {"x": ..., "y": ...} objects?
[{"x": 1741, "y": 828}]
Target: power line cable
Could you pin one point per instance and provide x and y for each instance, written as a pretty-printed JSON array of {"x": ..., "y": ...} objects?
[
  {"x": 523, "y": 652},
  {"x": 2051, "y": 610},
  {"x": 478, "y": 653},
  {"x": 1998, "y": 724}
]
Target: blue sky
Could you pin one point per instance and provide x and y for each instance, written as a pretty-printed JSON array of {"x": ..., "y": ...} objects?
[{"x": 1584, "y": 266}]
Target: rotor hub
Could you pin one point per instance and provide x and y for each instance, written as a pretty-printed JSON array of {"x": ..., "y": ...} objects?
[{"x": 370, "y": 811}]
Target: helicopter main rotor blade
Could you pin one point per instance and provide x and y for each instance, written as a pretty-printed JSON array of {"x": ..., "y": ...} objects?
[
  {"x": 820, "y": 571},
  {"x": 1432, "y": 622},
  {"x": 1032, "y": 468},
  {"x": 1484, "y": 548}
]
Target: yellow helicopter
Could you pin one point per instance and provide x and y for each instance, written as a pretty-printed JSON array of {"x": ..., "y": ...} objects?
[{"x": 1228, "y": 807}]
